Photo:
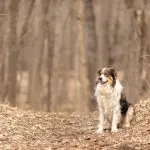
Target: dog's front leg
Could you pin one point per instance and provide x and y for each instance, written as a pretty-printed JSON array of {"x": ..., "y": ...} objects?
[
  {"x": 115, "y": 119},
  {"x": 101, "y": 121}
]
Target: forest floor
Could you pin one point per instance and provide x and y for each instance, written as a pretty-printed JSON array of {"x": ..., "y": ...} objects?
[{"x": 26, "y": 130}]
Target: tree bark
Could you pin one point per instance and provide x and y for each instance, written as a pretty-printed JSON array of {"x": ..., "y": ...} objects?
[
  {"x": 13, "y": 51},
  {"x": 90, "y": 41}
]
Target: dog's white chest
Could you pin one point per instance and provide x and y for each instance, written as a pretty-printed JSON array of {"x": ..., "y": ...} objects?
[
  {"x": 107, "y": 103},
  {"x": 108, "y": 98}
]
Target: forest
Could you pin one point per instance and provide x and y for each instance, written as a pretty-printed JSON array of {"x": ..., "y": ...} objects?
[{"x": 50, "y": 51}]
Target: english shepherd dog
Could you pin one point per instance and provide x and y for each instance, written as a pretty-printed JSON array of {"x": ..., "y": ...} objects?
[{"x": 114, "y": 109}]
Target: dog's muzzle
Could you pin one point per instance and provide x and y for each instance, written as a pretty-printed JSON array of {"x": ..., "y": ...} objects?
[{"x": 101, "y": 81}]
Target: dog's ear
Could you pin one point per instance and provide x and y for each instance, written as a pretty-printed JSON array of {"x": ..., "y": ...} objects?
[
  {"x": 113, "y": 71},
  {"x": 99, "y": 71}
]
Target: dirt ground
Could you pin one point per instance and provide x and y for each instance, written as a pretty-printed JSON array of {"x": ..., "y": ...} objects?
[{"x": 26, "y": 130}]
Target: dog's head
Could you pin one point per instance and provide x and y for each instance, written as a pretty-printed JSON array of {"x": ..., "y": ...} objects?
[{"x": 107, "y": 76}]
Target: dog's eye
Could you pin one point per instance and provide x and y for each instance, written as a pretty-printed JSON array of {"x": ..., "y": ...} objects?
[{"x": 106, "y": 73}]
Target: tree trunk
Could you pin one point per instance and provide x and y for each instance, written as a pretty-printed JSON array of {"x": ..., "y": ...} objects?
[
  {"x": 49, "y": 48},
  {"x": 13, "y": 51},
  {"x": 38, "y": 40},
  {"x": 90, "y": 42}
]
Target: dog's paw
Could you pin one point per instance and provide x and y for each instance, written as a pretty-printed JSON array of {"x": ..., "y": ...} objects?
[
  {"x": 126, "y": 125},
  {"x": 114, "y": 130},
  {"x": 99, "y": 131}
]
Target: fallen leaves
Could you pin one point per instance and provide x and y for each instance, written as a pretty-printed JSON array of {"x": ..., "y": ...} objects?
[{"x": 45, "y": 131}]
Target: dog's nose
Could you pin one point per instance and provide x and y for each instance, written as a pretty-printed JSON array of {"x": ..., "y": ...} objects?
[{"x": 100, "y": 78}]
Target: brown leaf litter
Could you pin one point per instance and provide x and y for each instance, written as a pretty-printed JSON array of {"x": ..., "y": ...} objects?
[{"x": 26, "y": 130}]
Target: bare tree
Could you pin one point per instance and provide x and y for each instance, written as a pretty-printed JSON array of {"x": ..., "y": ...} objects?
[
  {"x": 13, "y": 51},
  {"x": 90, "y": 40},
  {"x": 48, "y": 32},
  {"x": 50, "y": 50}
]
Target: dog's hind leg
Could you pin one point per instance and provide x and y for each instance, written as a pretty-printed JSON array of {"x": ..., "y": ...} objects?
[{"x": 129, "y": 116}]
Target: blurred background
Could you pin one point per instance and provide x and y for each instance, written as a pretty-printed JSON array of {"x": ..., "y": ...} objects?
[{"x": 50, "y": 51}]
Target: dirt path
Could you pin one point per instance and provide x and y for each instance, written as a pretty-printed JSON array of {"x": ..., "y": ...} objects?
[{"x": 45, "y": 131}]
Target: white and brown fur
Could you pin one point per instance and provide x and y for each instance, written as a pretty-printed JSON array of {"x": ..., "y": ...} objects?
[{"x": 114, "y": 109}]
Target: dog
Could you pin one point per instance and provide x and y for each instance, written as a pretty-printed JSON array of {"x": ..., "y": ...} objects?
[{"x": 114, "y": 110}]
